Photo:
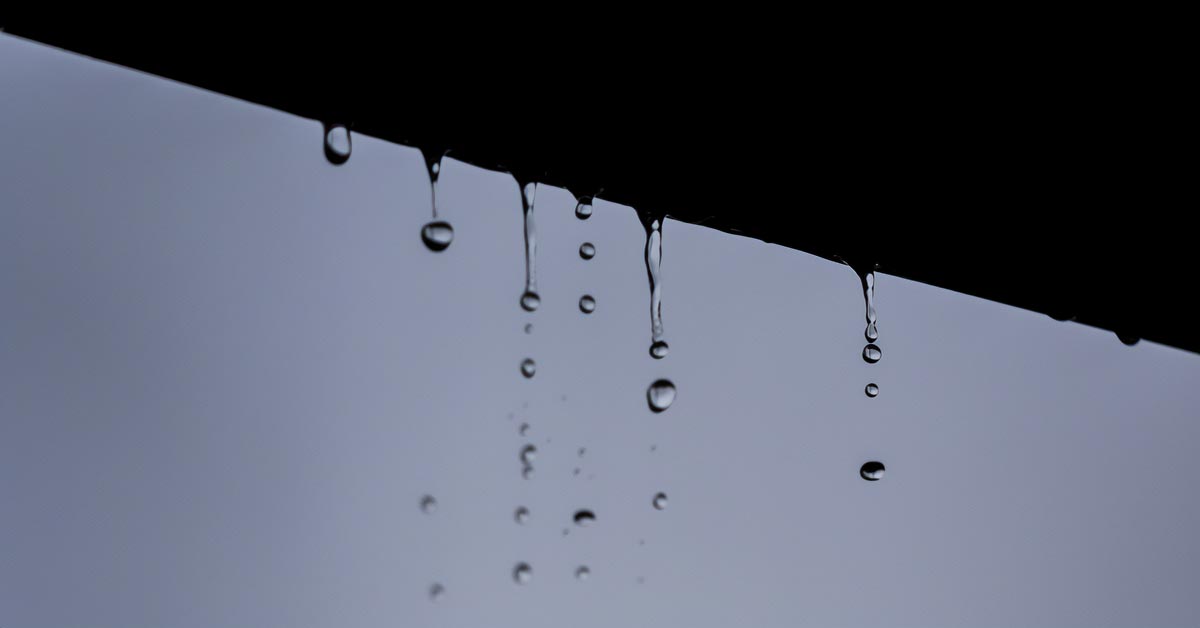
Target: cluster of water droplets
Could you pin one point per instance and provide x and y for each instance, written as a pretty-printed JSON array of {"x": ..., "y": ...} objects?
[{"x": 870, "y": 471}]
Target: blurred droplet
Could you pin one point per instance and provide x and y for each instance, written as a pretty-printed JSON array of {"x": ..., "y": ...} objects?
[
  {"x": 428, "y": 504},
  {"x": 660, "y": 501},
  {"x": 522, "y": 573},
  {"x": 521, "y": 515},
  {"x": 436, "y": 591},
  {"x": 337, "y": 143},
  {"x": 584, "y": 518},
  {"x": 582, "y": 573},
  {"x": 528, "y": 367}
]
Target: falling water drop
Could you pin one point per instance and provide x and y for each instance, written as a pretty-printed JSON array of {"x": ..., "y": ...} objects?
[
  {"x": 583, "y": 210},
  {"x": 587, "y": 250},
  {"x": 587, "y": 304},
  {"x": 521, "y": 516},
  {"x": 522, "y": 573},
  {"x": 872, "y": 471},
  {"x": 528, "y": 367},
  {"x": 429, "y": 504},
  {"x": 653, "y": 267},
  {"x": 437, "y": 235},
  {"x": 660, "y": 501},
  {"x": 582, "y": 572},
  {"x": 867, "y": 278},
  {"x": 524, "y": 429},
  {"x": 337, "y": 143},
  {"x": 528, "y": 453},
  {"x": 872, "y": 353},
  {"x": 584, "y": 518},
  {"x": 527, "y": 472},
  {"x": 659, "y": 349},
  {"x": 872, "y": 389},
  {"x": 582, "y": 451},
  {"x": 529, "y": 328},
  {"x": 529, "y": 299},
  {"x": 661, "y": 395},
  {"x": 436, "y": 591}
]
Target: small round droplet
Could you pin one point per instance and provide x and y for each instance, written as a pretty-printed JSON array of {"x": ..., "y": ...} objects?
[
  {"x": 582, "y": 573},
  {"x": 660, "y": 501},
  {"x": 872, "y": 471},
  {"x": 527, "y": 472},
  {"x": 583, "y": 210},
  {"x": 528, "y": 367},
  {"x": 437, "y": 235},
  {"x": 337, "y": 144},
  {"x": 529, "y": 328},
  {"x": 871, "y": 333},
  {"x": 530, "y": 301},
  {"x": 521, "y": 515},
  {"x": 584, "y": 518},
  {"x": 587, "y": 304},
  {"x": 872, "y": 353},
  {"x": 582, "y": 451},
  {"x": 872, "y": 390},
  {"x": 587, "y": 250},
  {"x": 436, "y": 591},
  {"x": 524, "y": 429},
  {"x": 661, "y": 395},
  {"x": 659, "y": 349},
  {"x": 428, "y": 504},
  {"x": 528, "y": 453},
  {"x": 522, "y": 573}
]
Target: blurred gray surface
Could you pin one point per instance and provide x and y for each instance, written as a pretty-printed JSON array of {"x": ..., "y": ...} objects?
[{"x": 229, "y": 371}]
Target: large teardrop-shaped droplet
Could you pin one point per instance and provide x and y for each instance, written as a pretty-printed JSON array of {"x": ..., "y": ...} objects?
[
  {"x": 661, "y": 395},
  {"x": 437, "y": 235}
]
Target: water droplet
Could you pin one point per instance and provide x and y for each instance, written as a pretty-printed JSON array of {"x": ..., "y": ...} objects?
[
  {"x": 437, "y": 235},
  {"x": 1128, "y": 339},
  {"x": 529, "y": 328},
  {"x": 576, "y": 471},
  {"x": 337, "y": 143},
  {"x": 872, "y": 353},
  {"x": 524, "y": 429},
  {"x": 530, "y": 301},
  {"x": 653, "y": 267},
  {"x": 587, "y": 304},
  {"x": 522, "y": 573},
  {"x": 583, "y": 210},
  {"x": 528, "y": 367},
  {"x": 528, "y": 454},
  {"x": 582, "y": 573},
  {"x": 428, "y": 504},
  {"x": 659, "y": 350},
  {"x": 527, "y": 472},
  {"x": 587, "y": 250},
  {"x": 582, "y": 451},
  {"x": 436, "y": 591},
  {"x": 584, "y": 518},
  {"x": 872, "y": 471},
  {"x": 661, "y": 395},
  {"x": 872, "y": 390},
  {"x": 660, "y": 501},
  {"x": 433, "y": 161},
  {"x": 868, "y": 284},
  {"x": 521, "y": 515}
]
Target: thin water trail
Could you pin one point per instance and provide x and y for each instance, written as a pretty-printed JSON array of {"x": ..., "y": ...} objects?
[
  {"x": 530, "y": 299},
  {"x": 653, "y": 225},
  {"x": 868, "y": 284}
]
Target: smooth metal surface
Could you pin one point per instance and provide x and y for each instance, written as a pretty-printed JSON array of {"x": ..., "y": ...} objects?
[{"x": 230, "y": 371}]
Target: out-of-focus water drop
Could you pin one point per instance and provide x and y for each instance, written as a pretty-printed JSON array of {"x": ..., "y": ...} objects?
[
  {"x": 523, "y": 430},
  {"x": 528, "y": 454},
  {"x": 587, "y": 250},
  {"x": 584, "y": 518},
  {"x": 872, "y": 353},
  {"x": 429, "y": 504},
  {"x": 587, "y": 304},
  {"x": 872, "y": 390},
  {"x": 437, "y": 235},
  {"x": 872, "y": 471},
  {"x": 660, "y": 501},
  {"x": 582, "y": 573},
  {"x": 337, "y": 143},
  {"x": 522, "y": 573},
  {"x": 527, "y": 472},
  {"x": 436, "y": 591},
  {"x": 521, "y": 515},
  {"x": 528, "y": 367},
  {"x": 529, "y": 328},
  {"x": 661, "y": 395}
]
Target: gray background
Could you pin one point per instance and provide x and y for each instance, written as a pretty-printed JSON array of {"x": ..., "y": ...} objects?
[{"x": 229, "y": 371}]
